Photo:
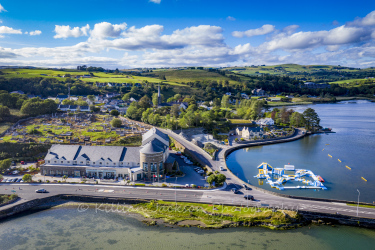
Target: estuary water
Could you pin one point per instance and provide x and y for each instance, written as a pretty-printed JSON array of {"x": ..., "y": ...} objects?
[
  {"x": 353, "y": 144},
  {"x": 66, "y": 228}
]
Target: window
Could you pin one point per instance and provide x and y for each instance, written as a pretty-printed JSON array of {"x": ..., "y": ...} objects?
[
  {"x": 161, "y": 166},
  {"x": 75, "y": 162},
  {"x": 88, "y": 162},
  {"x": 49, "y": 161},
  {"x": 121, "y": 163},
  {"x": 81, "y": 162},
  {"x": 62, "y": 162},
  {"x": 68, "y": 161},
  {"x": 153, "y": 167},
  {"x": 145, "y": 167},
  {"x": 100, "y": 163},
  {"x": 55, "y": 161},
  {"x": 114, "y": 164}
]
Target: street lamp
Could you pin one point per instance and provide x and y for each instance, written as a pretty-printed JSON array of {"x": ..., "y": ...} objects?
[
  {"x": 175, "y": 192},
  {"x": 358, "y": 201}
]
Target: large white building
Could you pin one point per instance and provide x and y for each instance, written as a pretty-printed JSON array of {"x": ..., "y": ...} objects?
[{"x": 133, "y": 163}]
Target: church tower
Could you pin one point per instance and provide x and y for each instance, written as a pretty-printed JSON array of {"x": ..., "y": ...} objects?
[{"x": 159, "y": 97}]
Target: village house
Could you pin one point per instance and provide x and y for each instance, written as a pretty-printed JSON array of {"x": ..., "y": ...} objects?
[
  {"x": 258, "y": 92},
  {"x": 266, "y": 122}
]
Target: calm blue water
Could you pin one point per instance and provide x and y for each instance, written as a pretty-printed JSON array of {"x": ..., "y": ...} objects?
[
  {"x": 353, "y": 143},
  {"x": 64, "y": 228}
]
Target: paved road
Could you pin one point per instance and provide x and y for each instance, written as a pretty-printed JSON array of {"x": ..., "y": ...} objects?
[{"x": 27, "y": 192}]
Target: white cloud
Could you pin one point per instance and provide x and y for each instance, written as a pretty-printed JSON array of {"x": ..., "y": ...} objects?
[
  {"x": 8, "y": 30},
  {"x": 150, "y": 37},
  {"x": 368, "y": 20},
  {"x": 265, "y": 29},
  {"x": 64, "y": 31},
  {"x": 105, "y": 29},
  {"x": 35, "y": 33},
  {"x": 155, "y": 1},
  {"x": 313, "y": 39},
  {"x": 2, "y": 9},
  {"x": 230, "y": 18}
]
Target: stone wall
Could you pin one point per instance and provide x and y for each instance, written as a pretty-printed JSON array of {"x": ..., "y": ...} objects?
[{"x": 151, "y": 158}]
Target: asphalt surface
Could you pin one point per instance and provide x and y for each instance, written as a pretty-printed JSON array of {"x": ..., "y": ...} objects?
[{"x": 27, "y": 192}]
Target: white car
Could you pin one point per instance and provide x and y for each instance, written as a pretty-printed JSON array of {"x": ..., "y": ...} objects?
[
  {"x": 200, "y": 172},
  {"x": 221, "y": 168}
]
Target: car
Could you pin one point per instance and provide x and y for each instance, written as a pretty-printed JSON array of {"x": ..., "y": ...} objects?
[
  {"x": 200, "y": 172},
  {"x": 234, "y": 190},
  {"x": 4, "y": 180},
  {"x": 42, "y": 190},
  {"x": 246, "y": 187},
  {"x": 15, "y": 179},
  {"x": 19, "y": 180},
  {"x": 221, "y": 168},
  {"x": 10, "y": 180},
  {"x": 248, "y": 197}
]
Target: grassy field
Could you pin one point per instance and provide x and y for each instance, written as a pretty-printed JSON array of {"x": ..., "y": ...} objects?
[
  {"x": 192, "y": 75},
  {"x": 354, "y": 81},
  {"x": 213, "y": 216}
]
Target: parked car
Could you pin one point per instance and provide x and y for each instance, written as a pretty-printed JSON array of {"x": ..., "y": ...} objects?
[
  {"x": 15, "y": 179},
  {"x": 246, "y": 187},
  {"x": 234, "y": 190},
  {"x": 221, "y": 168},
  {"x": 10, "y": 180},
  {"x": 19, "y": 180},
  {"x": 4, "y": 180},
  {"x": 200, "y": 172},
  {"x": 41, "y": 191},
  {"x": 249, "y": 197}
]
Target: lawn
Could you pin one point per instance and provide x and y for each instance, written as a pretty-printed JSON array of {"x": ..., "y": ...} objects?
[{"x": 239, "y": 121}]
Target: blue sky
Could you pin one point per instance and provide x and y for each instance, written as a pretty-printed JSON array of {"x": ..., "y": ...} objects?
[{"x": 167, "y": 33}]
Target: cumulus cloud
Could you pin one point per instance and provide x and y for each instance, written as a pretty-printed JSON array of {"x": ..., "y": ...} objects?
[
  {"x": 35, "y": 33},
  {"x": 155, "y": 1},
  {"x": 150, "y": 37},
  {"x": 307, "y": 40},
  {"x": 105, "y": 29},
  {"x": 368, "y": 20},
  {"x": 265, "y": 29},
  {"x": 230, "y": 18},
  {"x": 2, "y": 9},
  {"x": 8, "y": 30},
  {"x": 64, "y": 31}
]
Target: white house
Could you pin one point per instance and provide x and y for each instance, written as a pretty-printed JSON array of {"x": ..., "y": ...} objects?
[
  {"x": 244, "y": 96},
  {"x": 266, "y": 122}
]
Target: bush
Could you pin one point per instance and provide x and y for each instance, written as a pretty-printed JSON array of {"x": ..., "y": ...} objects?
[
  {"x": 194, "y": 186},
  {"x": 47, "y": 181},
  {"x": 114, "y": 112},
  {"x": 164, "y": 185},
  {"x": 242, "y": 139},
  {"x": 116, "y": 123},
  {"x": 140, "y": 184}
]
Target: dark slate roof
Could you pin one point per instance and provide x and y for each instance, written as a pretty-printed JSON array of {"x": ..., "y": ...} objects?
[
  {"x": 151, "y": 132},
  {"x": 151, "y": 148},
  {"x": 63, "y": 106},
  {"x": 94, "y": 153},
  {"x": 84, "y": 107},
  {"x": 73, "y": 106}
]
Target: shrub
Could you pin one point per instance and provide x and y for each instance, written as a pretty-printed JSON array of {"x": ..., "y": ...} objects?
[
  {"x": 164, "y": 185},
  {"x": 242, "y": 139},
  {"x": 194, "y": 186},
  {"x": 140, "y": 184},
  {"x": 47, "y": 181}
]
